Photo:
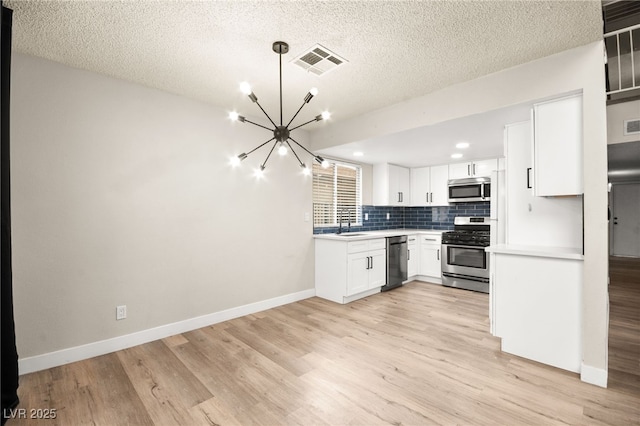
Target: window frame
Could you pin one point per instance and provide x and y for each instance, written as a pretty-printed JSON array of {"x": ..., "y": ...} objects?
[{"x": 358, "y": 202}]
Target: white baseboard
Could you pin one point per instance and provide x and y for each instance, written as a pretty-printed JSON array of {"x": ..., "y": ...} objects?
[
  {"x": 90, "y": 350},
  {"x": 593, "y": 375}
]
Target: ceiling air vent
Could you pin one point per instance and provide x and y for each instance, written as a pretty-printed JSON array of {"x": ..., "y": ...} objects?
[
  {"x": 318, "y": 60},
  {"x": 632, "y": 127}
]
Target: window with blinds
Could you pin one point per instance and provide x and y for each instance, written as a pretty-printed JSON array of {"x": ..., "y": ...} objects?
[{"x": 337, "y": 191}]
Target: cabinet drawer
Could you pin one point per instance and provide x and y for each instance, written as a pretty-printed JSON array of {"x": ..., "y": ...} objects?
[
  {"x": 377, "y": 244},
  {"x": 430, "y": 239},
  {"x": 366, "y": 245}
]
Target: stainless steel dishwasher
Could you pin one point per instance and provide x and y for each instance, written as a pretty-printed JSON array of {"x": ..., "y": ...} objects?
[{"x": 396, "y": 262}]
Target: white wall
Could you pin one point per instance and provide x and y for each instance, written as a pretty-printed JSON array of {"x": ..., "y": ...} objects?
[
  {"x": 123, "y": 195},
  {"x": 576, "y": 69},
  {"x": 616, "y": 115}
]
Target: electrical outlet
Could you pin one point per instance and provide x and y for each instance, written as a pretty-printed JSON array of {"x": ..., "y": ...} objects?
[
  {"x": 388, "y": 216},
  {"x": 121, "y": 312},
  {"x": 366, "y": 216}
]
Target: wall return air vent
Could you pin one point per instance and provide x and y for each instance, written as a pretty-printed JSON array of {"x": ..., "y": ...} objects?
[
  {"x": 318, "y": 60},
  {"x": 632, "y": 127}
]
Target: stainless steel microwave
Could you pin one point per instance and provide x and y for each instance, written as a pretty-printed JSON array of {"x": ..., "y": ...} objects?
[{"x": 469, "y": 189}]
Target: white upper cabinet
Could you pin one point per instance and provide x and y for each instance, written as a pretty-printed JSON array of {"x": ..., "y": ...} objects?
[
  {"x": 391, "y": 185},
  {"x": 480, "y": 168},
  {"x": 429, "y": 186},
  {"x": 531, "y": 220},
  {"x": 557, "y": 147}
]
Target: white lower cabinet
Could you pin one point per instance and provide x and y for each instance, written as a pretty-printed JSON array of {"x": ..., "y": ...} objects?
[
  {"x": 430, "y": 247},
  {"x": 349, "y": 270},
  {"x": 366, "y": 271},
  {"x": 536, "y": 308},
  {"x": 413, "y": 256}
]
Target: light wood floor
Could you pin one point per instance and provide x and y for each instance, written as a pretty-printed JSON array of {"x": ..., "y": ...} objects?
[
  {"x": 624, "y": 324},
  {"x": 420, "y": 354}
]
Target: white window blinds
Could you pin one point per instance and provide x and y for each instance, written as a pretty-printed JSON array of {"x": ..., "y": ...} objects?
[{"x": 337, "y": 191}]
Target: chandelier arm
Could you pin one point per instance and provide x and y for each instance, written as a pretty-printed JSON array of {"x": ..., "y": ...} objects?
[
  {"x": 265, "y": 113},
  {"x": 303, "y": 124},
  {"x": 294, "y": 153},
  {"x": 296, "y": 142},
  {"x": 269, "y": 155},
  {"x": 260, "y": 146},
  {"x": 296, "y": 114},
  {"x": 280, "y": 57},
  {"x": 259, "y": 125}
]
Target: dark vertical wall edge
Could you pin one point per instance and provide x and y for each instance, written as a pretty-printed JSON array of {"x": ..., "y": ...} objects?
[{"x": 9, "y": 355}]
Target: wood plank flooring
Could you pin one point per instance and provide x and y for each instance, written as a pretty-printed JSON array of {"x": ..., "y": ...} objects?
[
  {"x": 624, "y": 324},
  {"x": 418, "y": 355}
]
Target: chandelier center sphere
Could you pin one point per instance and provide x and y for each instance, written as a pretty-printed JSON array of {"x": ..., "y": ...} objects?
[{"x": 281, "y": 133}]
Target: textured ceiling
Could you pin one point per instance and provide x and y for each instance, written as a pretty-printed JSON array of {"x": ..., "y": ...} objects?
[{"x": 396, "y": 50}]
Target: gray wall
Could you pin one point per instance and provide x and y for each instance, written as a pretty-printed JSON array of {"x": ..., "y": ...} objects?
[{"x": 123, "y": 195}]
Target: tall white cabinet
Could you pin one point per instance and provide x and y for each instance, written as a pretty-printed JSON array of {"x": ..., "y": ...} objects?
[
  {"x": 429, "y": 186},
  {"x": 532, "y": 220},
  {"x": 557, "y": 147},
  {"x": 391, "y": 185},
  {"x": 538, "y": 313}
]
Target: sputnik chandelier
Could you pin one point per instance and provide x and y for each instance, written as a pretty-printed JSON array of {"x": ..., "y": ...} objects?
[{"x": 281, "y": 133}]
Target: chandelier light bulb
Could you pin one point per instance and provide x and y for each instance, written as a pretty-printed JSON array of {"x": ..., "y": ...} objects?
[
  {"x": 305, "y": 169},
  {"x": 234, "y": 161},
  {"x": 259, "y": 173},
  {"x": 245, "y": 88},
  {"x": 314, "y": 91},
  {"x": 282, "y": 149},
  {"x": 326, "y": 115},
  {"x": 233, "y": 116},
  {"x": 325, "y": 164}
]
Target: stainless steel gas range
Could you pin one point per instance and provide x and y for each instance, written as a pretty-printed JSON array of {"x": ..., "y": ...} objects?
[{"x": 464, "y": 261}]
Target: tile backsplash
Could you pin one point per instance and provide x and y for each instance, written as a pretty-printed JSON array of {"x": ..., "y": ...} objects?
[{"x": 440, "y": 218}]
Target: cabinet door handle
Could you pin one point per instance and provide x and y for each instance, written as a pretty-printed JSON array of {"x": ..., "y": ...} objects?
[
  {"x": 371, "y": 257},
  {"x": 468, "y": 169},
  {"x": 427, "y": 194},
  {"x": 408, "y": 254},
  {"x": 368, "y": 264},
  {"x": 431, "y": 196},
  {"x": 438, "y": 254},
  {"x": 399, "y": 196},
  {"x": 474, "y": 169},
  {"x": 528, "y": 177}
]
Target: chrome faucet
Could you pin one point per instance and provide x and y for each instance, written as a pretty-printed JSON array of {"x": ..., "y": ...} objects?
[{"x": 348, "y": 218}]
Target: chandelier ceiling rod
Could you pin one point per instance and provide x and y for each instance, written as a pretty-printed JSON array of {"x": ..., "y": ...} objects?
[{"x": 281, "y": 133}]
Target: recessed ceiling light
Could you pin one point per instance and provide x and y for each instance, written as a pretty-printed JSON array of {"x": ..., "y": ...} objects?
[
  {"x": 358, "y": 154},
  {"x": 462, "y": 145},
  {"x": 456, "y": 155}
]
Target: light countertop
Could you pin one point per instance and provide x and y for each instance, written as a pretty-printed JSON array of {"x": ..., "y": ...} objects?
[
  {"x": 538, "y": 251},
  {"x": 368, "y": 235}
]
